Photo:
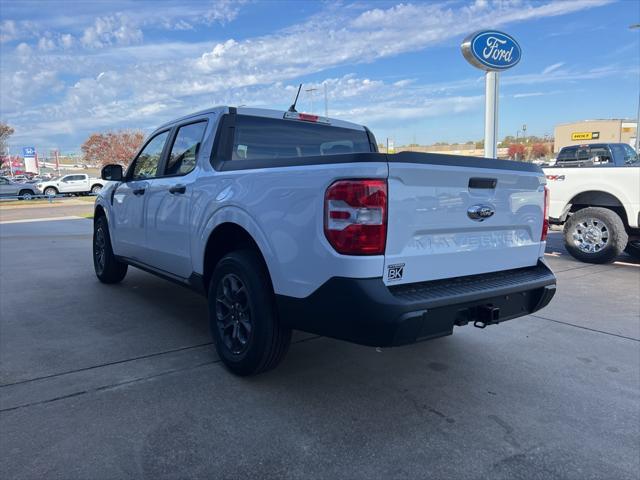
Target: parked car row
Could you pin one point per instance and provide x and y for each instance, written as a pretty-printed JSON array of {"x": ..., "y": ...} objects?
[{"x": 66, "y": 184}]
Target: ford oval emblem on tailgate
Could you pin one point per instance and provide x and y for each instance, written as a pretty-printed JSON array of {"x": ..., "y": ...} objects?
[{"x": 480, "y": 213}]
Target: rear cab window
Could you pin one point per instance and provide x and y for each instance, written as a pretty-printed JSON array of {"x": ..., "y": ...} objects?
[
  {"x": 261, "y": 138},
  {"x": 585, "y": 155},
  {"x": 567, "y": 154}
]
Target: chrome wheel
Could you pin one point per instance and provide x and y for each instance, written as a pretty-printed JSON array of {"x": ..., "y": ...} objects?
[
  {"x": 590, "y": 235},
  {"x": 99, "y": 249},
  {"x": 27, "y": 196},
  {"x": 96, "y": 189},
  {"x": 233, "y": 314}
]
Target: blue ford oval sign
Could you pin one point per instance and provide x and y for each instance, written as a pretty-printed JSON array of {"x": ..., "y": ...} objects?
[{"x": 491, "y": 50}]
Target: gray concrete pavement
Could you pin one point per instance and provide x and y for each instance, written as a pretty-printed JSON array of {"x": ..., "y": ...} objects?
[
  {"x": 121, "y": 382},
  {"x": 65, "y": 207}
]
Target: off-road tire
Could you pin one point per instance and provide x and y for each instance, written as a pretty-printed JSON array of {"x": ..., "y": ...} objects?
[{"x": 605, "y": 219}]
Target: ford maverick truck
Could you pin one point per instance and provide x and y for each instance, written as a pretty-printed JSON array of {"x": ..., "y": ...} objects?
[{"x": 286, "y": 220}]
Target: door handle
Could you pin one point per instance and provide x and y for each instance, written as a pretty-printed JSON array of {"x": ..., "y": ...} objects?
[
  {"x": 139, "y": 191},
  {"x": 177, "y": 189}
]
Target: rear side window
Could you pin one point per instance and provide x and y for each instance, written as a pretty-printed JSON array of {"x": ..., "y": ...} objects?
[
  {"x": 186, "y": 146},
  {"x": 258, "y": 138},
  {"x": 625, "y": 154}
]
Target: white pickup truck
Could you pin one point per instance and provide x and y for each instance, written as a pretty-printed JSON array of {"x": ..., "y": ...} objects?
[
  {"x": 73, "y": 183},
  {"x": 287, "y": 220},
  {"x": 595, "y": 194}
]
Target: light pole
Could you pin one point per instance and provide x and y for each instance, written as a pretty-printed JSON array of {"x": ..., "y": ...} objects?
[
  {"x": 636, "y": 26},
  {"x": 326, "y": 101},
  {"x": 311, "y": 90}
]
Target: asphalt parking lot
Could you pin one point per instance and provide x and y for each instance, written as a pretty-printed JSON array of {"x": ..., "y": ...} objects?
[{"x": 122, "y": 382}]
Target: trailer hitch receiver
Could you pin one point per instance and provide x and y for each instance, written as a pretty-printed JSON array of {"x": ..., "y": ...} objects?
[{"x": 486, "y": 315}]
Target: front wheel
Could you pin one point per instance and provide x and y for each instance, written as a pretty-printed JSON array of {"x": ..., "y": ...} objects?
[
  {"x": 595, "y": 235},
  {"x": 108, "y": 269},
  {"x": 25, "y": 194},
  {"x": 244, "y": 324}
]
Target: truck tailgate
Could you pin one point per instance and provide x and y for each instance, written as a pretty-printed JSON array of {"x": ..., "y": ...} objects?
[{"x": 451, "y": 216}]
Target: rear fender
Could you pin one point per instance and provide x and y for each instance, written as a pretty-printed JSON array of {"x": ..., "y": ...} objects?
[{"x": 238, "y": 216}]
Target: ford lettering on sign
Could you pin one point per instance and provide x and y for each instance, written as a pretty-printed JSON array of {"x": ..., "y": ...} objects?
[{"x": 491, "y": 50}]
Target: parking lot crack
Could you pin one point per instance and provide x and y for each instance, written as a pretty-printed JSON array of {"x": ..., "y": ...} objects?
[
  {"x": 108, "y": 387},
  {"x": 107, "y": 364},
  {"x": 587, "y": 328}
]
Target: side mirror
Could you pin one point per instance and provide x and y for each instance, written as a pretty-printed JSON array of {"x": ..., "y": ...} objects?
[{"x": 113, "y": 173}]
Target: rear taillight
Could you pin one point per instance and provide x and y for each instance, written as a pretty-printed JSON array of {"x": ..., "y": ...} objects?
[
  {"x": 545, "y": 218},
  {"x": 355, "y": 216}
]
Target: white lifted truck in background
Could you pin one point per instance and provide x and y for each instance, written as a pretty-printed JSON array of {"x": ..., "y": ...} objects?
[
  {"x": 286, "y": 220},
  {"x": 595, "y": 194}
]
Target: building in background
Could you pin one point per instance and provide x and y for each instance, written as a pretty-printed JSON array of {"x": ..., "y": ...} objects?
[{"x": 594, "y": 131}]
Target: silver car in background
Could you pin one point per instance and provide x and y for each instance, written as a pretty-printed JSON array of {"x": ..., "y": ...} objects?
[{"x": 24, "y": 191}]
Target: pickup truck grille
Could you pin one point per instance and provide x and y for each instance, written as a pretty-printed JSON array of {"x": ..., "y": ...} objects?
[{"x": 503, "y": 282}]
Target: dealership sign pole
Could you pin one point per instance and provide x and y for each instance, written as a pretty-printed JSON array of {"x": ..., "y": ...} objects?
[{"x": 491, "y": 51}]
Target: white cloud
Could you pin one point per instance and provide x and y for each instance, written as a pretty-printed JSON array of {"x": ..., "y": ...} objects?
[
  {"x": 552, "y": 68},
  {"x": 404, "y": 83},
  {"x": 529, "y": 94},
  {"x": 8, "y": 31},
  {"x": 170, "y": 79},
  {"x": 23, "y": 50},
  {"x": 111, "y": 30},
  {"x": 223, "y": 11},
  {"x": 45, "y": 44},
  {"x": 67, "y": 40}
]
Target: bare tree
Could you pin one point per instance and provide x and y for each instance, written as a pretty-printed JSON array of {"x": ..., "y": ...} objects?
[{"x": 5, "y": 132}]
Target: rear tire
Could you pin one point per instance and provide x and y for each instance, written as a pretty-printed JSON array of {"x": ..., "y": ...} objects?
[
  {"x": 50, "y": 191},
  {"x": 595, "y": 235},
  {"x": 244, "y": 324},
  {"x": 96, "y": 189},
  {"x": 108, "y": 268}
]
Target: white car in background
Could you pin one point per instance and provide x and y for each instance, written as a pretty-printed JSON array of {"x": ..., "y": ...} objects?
[{"x": 73, "y": 183}]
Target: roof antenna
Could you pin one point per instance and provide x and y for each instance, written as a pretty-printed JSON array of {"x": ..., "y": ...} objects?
[{"x": 292, "y": 108}]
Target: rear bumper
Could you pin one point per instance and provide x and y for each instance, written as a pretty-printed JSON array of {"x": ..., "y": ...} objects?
[{"x": 367, "y": 312}]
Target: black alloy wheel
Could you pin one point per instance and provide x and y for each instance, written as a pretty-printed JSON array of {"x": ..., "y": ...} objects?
[{"x": 233, "y": 314}]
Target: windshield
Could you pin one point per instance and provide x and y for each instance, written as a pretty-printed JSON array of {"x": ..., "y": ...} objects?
[{"x": 259, "y": 138}]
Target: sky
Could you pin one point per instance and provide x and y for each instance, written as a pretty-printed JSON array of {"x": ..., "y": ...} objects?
[{"x": 72, "y": 68}]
